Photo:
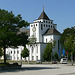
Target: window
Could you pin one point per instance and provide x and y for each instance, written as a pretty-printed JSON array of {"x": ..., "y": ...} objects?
[
  {"x": 14, "y": 52},
  {"x": 36, "y": 57},
  {"x": 36, "y": 24},
  {"x": 31, "y": 25},
  {"x": 17, "y": 52},
  {"x": 11, "y": 52},
  {"x": 51, "y": 22},
  {"x": 44, "y": 25},
  {"x": 17, "y": 57},
  {"x": 41, "y": 27},
  {"x": 46, "y": 40},
  {"x": 37, "y": 50},
  {"x": 51, "y": 26},
  {"x": 44, "y": 21},
  {"x": 32, "y": 50},
  {"x": 32, "y": 57}
]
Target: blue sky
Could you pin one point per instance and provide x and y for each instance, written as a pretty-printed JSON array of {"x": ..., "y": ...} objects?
[{"x": 61, "y": 11}]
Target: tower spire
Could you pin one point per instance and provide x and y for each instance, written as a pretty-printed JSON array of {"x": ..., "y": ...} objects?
[{"x": 43, "y": 8}]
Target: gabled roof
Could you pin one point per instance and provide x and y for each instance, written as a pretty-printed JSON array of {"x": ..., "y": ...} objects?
[
  {"x": 43, "y": 16},
  {"x": 52, "y": 31}
]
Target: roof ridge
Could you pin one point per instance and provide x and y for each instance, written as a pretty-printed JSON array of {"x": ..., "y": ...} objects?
[{"x": 43, "y": 16}]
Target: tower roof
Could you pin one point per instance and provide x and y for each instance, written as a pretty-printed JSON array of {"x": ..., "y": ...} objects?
[
  {"x": 43, "y": 16},
  {"x": 52, "y": 31}
]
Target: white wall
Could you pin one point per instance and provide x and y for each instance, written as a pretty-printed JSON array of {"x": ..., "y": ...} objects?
[
  {"x": 52, "y": 38},
  {"x": 14, "y": 53}
]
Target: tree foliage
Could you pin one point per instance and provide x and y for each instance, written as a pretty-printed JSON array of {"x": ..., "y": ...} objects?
[
  {"x": 48, "y": 51},
  {"x": 25, "y": 53},
  {"x": 9, "y": 28},
  {"x": 56, "y": 56},
  {"x": 1, "y": 52},
  {"x": 68, "y": 39}
]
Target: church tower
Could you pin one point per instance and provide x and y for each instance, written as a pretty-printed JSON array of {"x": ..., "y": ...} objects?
[
  {"x": 44, "y": 30},
  {"x": 40, "y": 26}
]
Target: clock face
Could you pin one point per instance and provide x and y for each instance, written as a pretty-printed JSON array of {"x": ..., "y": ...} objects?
[{"x": 33, "y": 29}]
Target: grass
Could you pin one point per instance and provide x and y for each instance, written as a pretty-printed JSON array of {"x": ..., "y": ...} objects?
[{"x": 8, "y": 64}]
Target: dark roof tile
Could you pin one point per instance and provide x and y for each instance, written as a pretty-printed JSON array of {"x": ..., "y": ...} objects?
[
  {"x": 52, "y": 31},
  {"x": 43, "y": 16}
]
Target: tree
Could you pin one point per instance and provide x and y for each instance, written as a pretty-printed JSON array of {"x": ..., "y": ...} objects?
[
  {"x": 68, "y": 39},
  {"x": 56, "y": 56},
  {"x": 25, "y": 53},
  {"x": 9, "y": 28},
  {"x": 48, "y": 51},
  {"x": 1, "y": 53}
]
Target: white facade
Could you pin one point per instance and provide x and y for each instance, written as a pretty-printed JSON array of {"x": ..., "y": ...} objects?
[
  {"x": 14, "y": 53},
  {"x": 39, "y": 29}
]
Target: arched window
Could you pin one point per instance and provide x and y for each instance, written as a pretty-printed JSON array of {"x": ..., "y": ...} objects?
[
  {"x": 17, "y": 52},
  {"x": 31, "y": 25},
  {"x": 37, "y": 50},
  {"x": 41, "y": 27},
  {"x": 51, "y": 26},
  {"x": 32, "y": 50},
  {"x": 44, "y": 21},
  {"x": 11, "y": 52},
  {"x": 46, "y": 40}
]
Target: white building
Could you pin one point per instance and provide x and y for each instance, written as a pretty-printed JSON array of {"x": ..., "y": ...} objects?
[{"x": 44, "y": 30}]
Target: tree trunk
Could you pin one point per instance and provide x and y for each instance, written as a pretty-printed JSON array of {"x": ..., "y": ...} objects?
[{"x": 4, "y": 55}]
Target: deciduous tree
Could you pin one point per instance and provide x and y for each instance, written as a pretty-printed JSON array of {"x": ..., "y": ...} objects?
[
  {"x": 9, "y": 27},
  {"x": 25, "y": 53},
  {"x": 48, "y": 51}
]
